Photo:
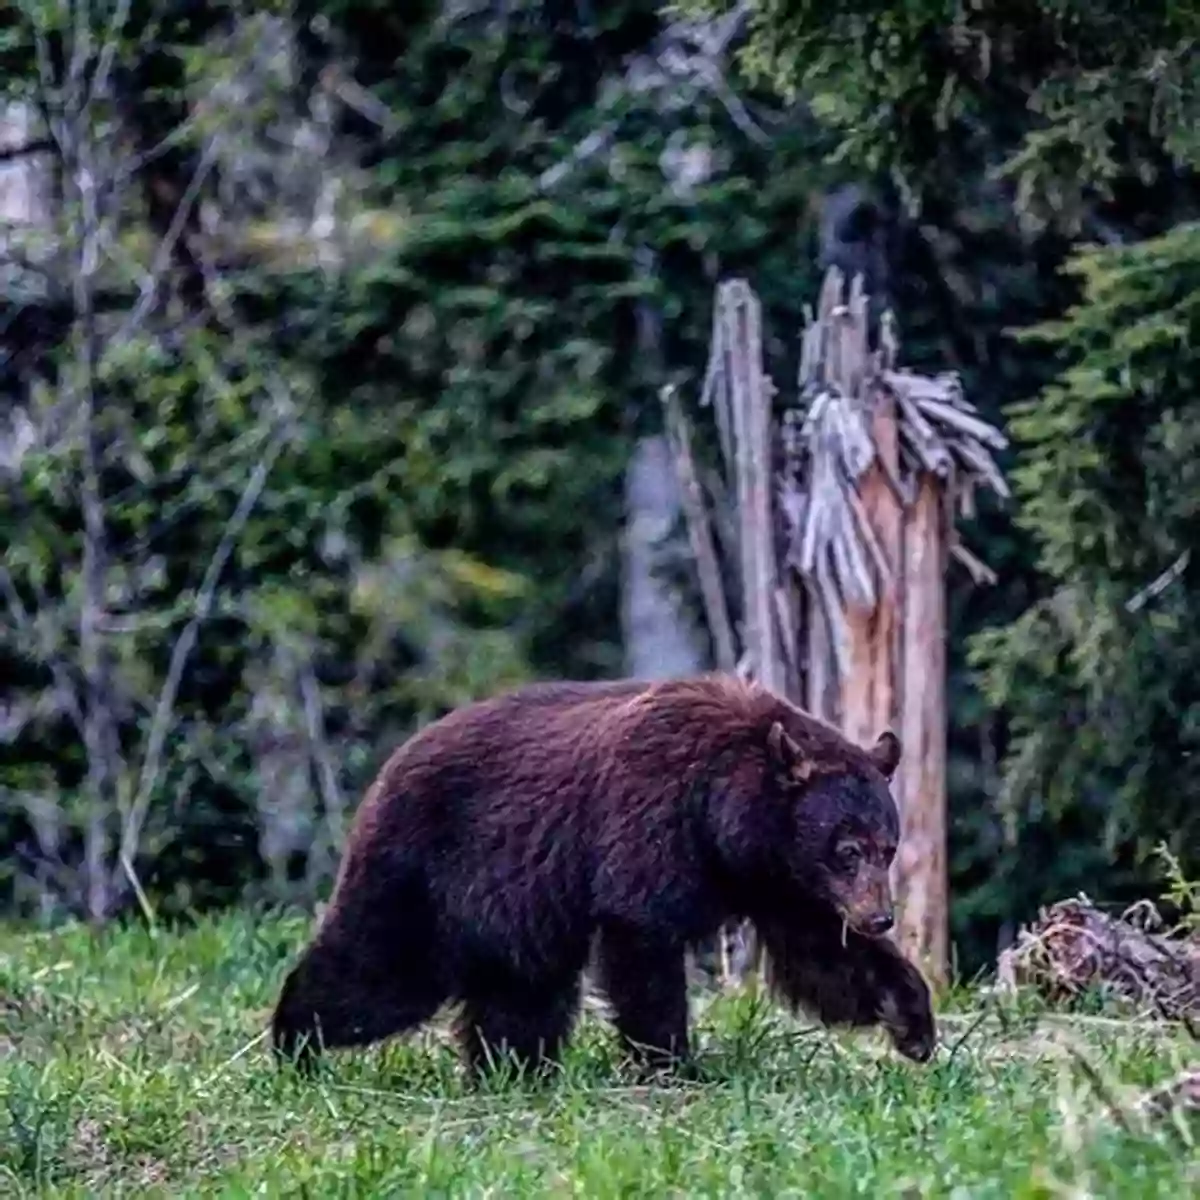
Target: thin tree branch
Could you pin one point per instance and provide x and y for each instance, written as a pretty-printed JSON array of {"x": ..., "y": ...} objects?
[
  {"x": 28, "y": 150},
  {"x": 337, "y": 81},
  {"x": 704, "y": 550},
  {"x": 318, "y": 743},
  {"x": 108, "y": 51},
  {"x": 685, "y": 58},
  {"x": 166, "y": 247},
  {"x": 205, "y": 596},
  {"x": 1157, "y": 586}
]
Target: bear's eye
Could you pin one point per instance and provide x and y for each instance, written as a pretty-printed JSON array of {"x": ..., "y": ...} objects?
[{"x": 849, "y": 854}]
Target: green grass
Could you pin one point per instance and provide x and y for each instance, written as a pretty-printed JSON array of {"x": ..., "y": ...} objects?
[{"x": 129, "y": 1065}]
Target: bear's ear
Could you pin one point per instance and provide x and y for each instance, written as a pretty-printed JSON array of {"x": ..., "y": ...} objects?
[
  {"x": 885, "y": 754},
  {"x": 788, "y": 758}
]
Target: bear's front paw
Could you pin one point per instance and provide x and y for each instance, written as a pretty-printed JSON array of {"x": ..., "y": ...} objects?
[
  {"x": 906, "y": 1012},
  {"x": 917, "y": 1041}
]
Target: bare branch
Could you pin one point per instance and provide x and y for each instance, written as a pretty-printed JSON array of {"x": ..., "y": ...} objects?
[
  {"x": 586, "y": 148},
  {"x": 76, "y": 102},
  {"x": 108, "y": 50},
  {"x": 980, "y": 572},
  {"x": 318, "y": 743},
  {"x": 28, "y": 150},
  {"x": 1160, "y": 584},
  {"x": 685, "y": 61},
  {"x": 205, "y": 597},
  {"x": 338, "y": 81},
  {"x": 704, "y": 551},
  {"x": 166, "y": 247}
]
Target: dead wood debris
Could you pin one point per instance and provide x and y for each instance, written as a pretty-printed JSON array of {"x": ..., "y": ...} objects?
[
  {"x": 1178, "y": 1095},
  {"x": 1073, "y": 947}
]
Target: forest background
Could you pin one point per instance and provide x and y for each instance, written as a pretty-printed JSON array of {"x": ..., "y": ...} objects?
[{"x": 331, "y": 344}]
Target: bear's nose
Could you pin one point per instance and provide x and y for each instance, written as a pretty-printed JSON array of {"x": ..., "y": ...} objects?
[{"x": 879, "y": 924}]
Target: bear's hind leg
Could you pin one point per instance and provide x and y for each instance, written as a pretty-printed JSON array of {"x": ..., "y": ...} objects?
[
  {"x": 646, "y": 984},
  {"x": 530, "y": 1023}
]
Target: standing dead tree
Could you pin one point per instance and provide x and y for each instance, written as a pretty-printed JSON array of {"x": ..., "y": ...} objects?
[{"x": 843, "y": 516}]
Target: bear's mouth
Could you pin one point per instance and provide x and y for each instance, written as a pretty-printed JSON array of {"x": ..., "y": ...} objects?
[{"x": 872, "y": 924}]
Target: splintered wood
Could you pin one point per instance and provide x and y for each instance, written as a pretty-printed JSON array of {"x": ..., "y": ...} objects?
[
  {"x": 741, "y": 392},
  {"x": 843, "y": 519}
]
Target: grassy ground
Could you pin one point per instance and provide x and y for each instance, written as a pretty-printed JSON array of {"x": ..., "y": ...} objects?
[{"x": 128, "y": 1064}]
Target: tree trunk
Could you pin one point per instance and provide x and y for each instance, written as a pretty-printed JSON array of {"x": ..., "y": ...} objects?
[
  {"x": 870, "y": 694},
  {"x": 751, "y": 393},
  {"x": 820, "y": 695},
  {"x": 919, "y": 872},
  {"x": 659, "y": 642}
]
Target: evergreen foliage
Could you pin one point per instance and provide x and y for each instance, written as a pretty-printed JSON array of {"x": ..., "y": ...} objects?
[{"x": 1099, "y": 676}]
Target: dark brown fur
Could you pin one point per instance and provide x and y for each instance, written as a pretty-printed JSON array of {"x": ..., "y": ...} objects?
[{"x": 501, "y": 842}]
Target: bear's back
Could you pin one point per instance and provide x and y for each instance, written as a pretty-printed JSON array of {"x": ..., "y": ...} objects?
[
  {"x": 547, "y": 753},
  {"x": 502, "y": 756},
  {"x": 560, "y": 746}
]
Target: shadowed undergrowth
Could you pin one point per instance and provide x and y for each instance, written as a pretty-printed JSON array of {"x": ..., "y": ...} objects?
[{"x": 129, "y": 1064}]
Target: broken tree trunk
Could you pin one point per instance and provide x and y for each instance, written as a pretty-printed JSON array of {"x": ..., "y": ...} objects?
[
  {"x": 874, "y": 461},
  {"x": 886, "y": 454},
  {"x": 740, "y": 392},
  {"x": 870, "y": 687},
  {"x": 919, "y": 873}
]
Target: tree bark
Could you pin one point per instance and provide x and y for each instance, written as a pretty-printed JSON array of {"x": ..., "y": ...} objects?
[
  {"x": 820, "y": 669},
  {"x": 659, "y": 640},
  {"x": 751, "y": 393},
  {"x": 700, "y": 533},
  {"x": 919, "y": 872},
  {"x": 870, "y": 695}
]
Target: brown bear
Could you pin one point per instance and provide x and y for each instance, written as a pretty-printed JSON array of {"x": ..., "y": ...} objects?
[{"x": 502, "y": 844}]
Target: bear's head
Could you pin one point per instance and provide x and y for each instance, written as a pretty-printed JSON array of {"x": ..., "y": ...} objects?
[{"x": 843, "y": 825}]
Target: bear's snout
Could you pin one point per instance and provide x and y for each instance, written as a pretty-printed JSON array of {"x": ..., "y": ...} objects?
[
  {"x": 869, "y": 921},
  {"x": 877, "y": 924},
  {"x": 864, "y": 900}
]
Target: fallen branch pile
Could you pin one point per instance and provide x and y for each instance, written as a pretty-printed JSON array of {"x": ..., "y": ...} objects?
[
  {"x": 1073, "y": 947},
  {"x": 1180, "y": 1094}
]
